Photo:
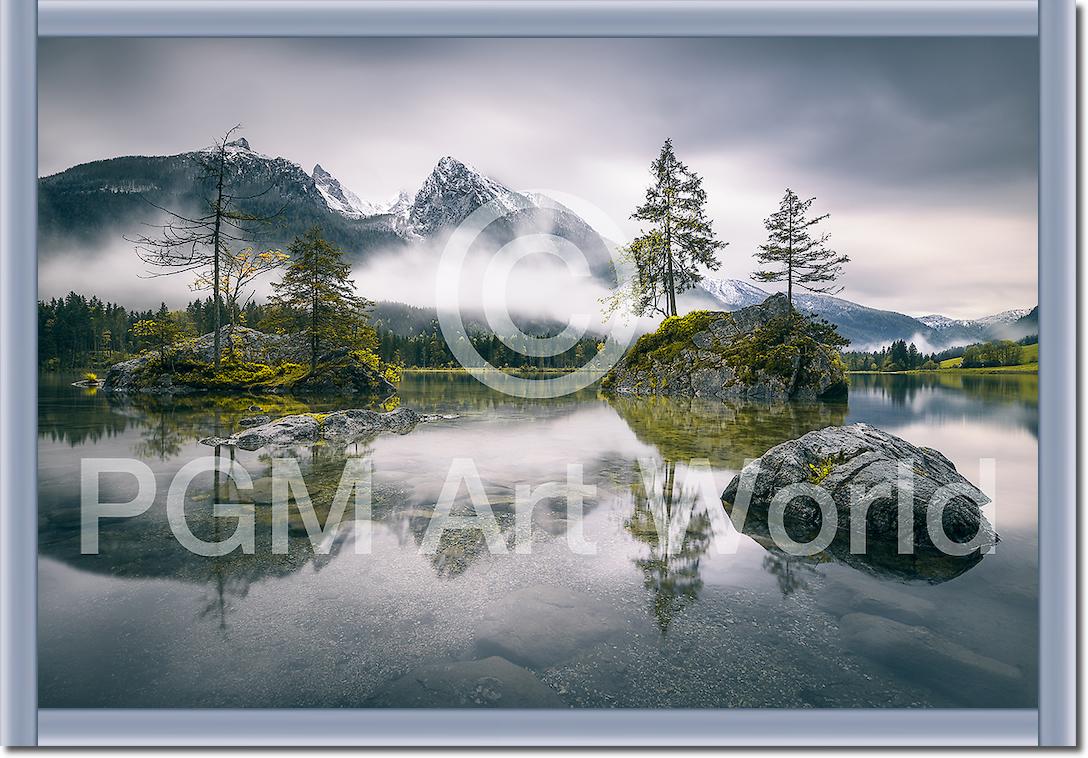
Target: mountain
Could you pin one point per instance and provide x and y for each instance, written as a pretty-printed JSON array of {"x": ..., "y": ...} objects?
[
  {"x": 733, "y": 294},
  {"x": 100, "y": 202},
  {"x": 963, "y": 331},
  {"x": 1025, "y": 326},
  {"x": 452, "y": 192},
  {"x": 870, "y": 328},
  {"x": 97, "y": 203},
  {"x": 343, "y": 201}
]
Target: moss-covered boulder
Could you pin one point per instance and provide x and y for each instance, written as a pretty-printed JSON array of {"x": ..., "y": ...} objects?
[
  {"x": 251, "y": 361},
  {"x": 860, "y": 468},
  {"x": 763, "y": 352}
]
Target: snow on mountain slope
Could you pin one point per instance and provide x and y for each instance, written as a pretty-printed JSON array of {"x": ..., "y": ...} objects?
[
  {"x": 340, "y": 199},
  {"x": 938, "y": 322},
  {"x": 734, "y": 293},
  {"x": 864, "y": 327},
  {"x": 870, "y": 328},
  {"x": 1005, "y": 317},
  {"x": 941, "y": 323},
  {"x": 453, "y": 191}
]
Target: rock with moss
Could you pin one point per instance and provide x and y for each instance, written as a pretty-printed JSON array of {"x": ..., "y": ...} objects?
[
  {"x": 250, "y": 361},
  {"x": 339, "y": 426},
  {"x": 858, "y": 467},
  {"x": 763, "y": 352}
]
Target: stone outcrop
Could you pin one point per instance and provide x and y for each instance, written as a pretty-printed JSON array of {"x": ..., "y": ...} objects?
[
  {"x": 700, "y": 355},
  {"x": 849, "y": 461},
  {"x": 339, "y": 426}
]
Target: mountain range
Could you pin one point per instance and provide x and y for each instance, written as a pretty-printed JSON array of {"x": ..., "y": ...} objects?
[
  {"x": 870, "y": 328},
  {"x": 98, "y": 202}
]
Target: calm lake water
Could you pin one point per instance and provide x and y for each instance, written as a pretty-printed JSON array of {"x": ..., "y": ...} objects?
[{"x": 645, "y": 622}]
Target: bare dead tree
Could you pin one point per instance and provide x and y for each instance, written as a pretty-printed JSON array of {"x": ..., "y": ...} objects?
[{"x": 197, "y": 242}]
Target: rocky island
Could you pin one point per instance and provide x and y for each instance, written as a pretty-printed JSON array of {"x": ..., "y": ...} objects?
[
  {"x": 252, "y": 361},
  {"x": 762, "y": 352}
]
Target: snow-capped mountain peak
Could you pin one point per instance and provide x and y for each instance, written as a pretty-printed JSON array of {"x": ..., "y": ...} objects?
[
  {"x": 734, "y": 293},
  {"x": 1005, "y": 317},
  {"x": 340, "y": 199},
  {"x": 452, "y": 191},
  {"x": 400, "y": 204},
  {"x": 942, "y": 323},
  {"x": 937, "y": 321}
]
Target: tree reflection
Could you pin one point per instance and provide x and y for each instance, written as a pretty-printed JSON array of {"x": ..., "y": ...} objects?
[
  {"x": 665, "y": 519},
  {"x": 791, "y": 573}
]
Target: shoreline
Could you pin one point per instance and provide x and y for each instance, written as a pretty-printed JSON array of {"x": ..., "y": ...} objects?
[{"x": 1026, "y": 369}]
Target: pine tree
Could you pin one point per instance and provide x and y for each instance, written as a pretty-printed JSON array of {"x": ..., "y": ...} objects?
[
  {"x": 162, "y": 332},
  {"x": 679, "y": 240},
  {"x": 197, "y": 242},
  {"x": 316, "y": 296},
  {"x": 794, "y": 255}
]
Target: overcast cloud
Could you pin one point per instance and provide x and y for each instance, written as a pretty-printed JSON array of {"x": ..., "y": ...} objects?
[{"x": 923, "y": 151}]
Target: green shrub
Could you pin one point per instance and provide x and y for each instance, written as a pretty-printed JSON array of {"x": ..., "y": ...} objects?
[
  {"x": 783, "y": 345},
  {"x": 674, "y": 334},
  {"x": 822, "y": 468}
]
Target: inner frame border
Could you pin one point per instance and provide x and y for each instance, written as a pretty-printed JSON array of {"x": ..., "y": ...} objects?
[{"x": 22, "y": 21}]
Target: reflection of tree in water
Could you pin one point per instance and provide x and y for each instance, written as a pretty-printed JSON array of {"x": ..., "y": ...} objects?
[
  {"x": 162, "y": 438},
  {"x": 457, "y": 549},
  {"x": 665, "y": 520},
  {"x": 997, "y": 398},
  {"x": 89, "y": 419},
  {"x": 725, "y": 433},
  {"x": 145, "y": 546},
  {"x": 790, "y": 572}
]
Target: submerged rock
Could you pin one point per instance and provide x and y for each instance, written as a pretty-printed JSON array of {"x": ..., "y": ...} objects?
[
  {"x": 927, "y": 658},
  {"x": 700, "y": 355},
  {"x": 347, "y": 425},
  {"x": 289, "y": 430},
  {"x": 849, "y": 461},
  {"x": 489, "y": 683},
  {"x": 542, "y": 625}
]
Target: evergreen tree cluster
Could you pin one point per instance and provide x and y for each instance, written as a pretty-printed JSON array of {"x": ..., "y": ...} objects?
[
  {"x": 429, "y": 350},
  {"x": 80, "y": 332},
  {"x": 900, "y": 356}
]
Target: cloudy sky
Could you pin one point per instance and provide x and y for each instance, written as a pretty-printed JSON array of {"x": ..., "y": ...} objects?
[{"x": 922, "y": 150}]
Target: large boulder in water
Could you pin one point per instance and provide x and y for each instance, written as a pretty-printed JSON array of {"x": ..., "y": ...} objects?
[
  {"x": 714, "y": 354},
  {"x": 858, "y": 466}
]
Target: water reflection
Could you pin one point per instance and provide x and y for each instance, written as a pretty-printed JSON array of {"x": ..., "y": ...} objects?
[
  {"x": 725, "y": 433},
  {"x": 665, "y": 519},
  {"x": 1010, "y": 400},
  {"x": 657, "y": 572},
  {"x": 880, "y": 559}
]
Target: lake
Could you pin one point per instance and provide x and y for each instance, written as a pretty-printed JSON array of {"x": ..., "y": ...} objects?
[{"x": 659, "y": 616}]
